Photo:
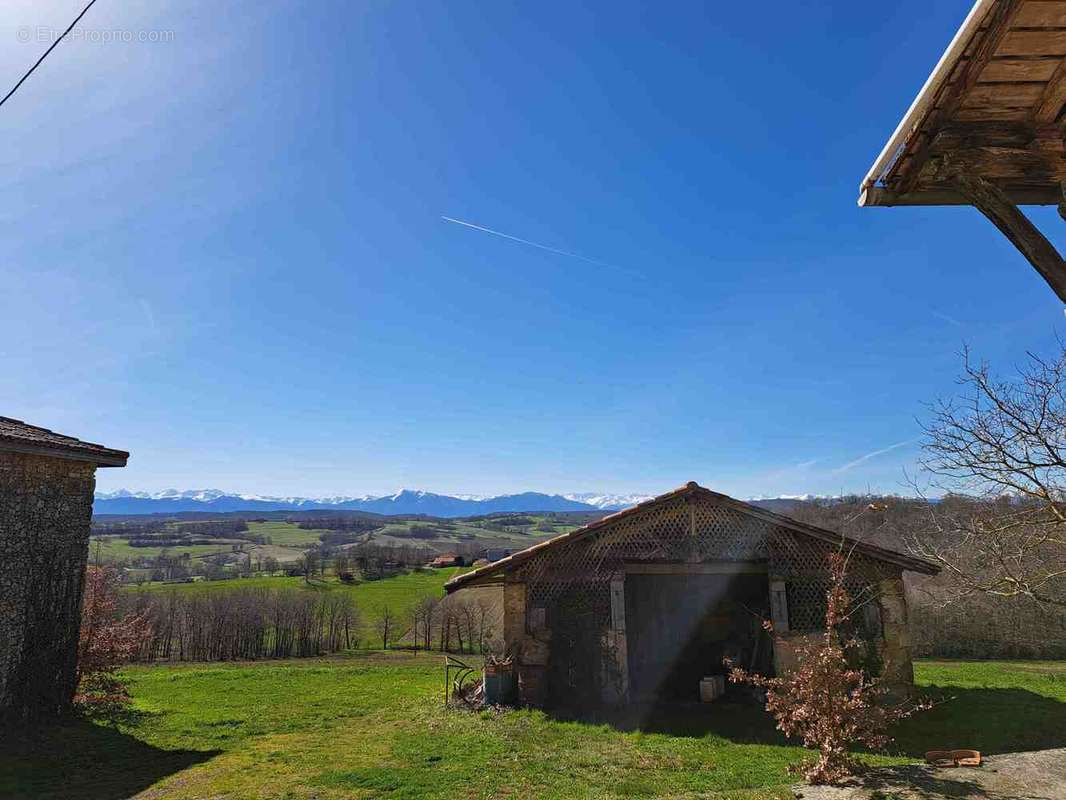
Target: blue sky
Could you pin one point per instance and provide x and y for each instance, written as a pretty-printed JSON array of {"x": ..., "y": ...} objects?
[{"x": 225, "y": 251}]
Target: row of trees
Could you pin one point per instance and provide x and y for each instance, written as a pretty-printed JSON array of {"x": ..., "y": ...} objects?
[
  {"x": 258, "y": 623},
  {"x": 947, "y": 619},
  {"x": 458, "y": 623},
  {"x": 245, "y": 623}
]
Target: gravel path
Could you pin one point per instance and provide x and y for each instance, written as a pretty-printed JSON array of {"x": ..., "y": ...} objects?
[{"x": 1038, "y": 775}]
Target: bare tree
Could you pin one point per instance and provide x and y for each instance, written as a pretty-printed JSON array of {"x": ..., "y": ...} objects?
[
  {"x": 423, "y": 615},
  {"x": 309, "y": 563},
  {"x": 1003, "y": 442},
  {"x": 341, "y": 563},
  {"x": 384, "y": 625}
]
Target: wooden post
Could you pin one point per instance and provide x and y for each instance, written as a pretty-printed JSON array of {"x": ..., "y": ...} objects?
[
  {"x": 990, "y": 200},
  {"x": 616, "y": 674},
  {"x": 779, "y": 607}
]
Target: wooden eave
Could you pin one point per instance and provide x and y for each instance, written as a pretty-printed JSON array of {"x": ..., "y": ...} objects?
[
  {"x": 995, "y": 112},
  {"x": 515, "y": 560},
  {"x": 988, "y": 127}
]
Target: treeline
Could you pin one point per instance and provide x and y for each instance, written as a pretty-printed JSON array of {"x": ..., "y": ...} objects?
[
  {"x": 462, "y": 623},
  {"x": 985, "y": 627},
  {"x": 942, "y": 623},
  {"x": 164, "y": 529},
  {"x": 125, "y": 529},
  {"x": 245, "y": 624},
  {"x": 249, "y": 624}
]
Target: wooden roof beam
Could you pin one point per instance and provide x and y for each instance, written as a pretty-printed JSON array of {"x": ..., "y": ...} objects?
[
  {"x": 991, "y": 201},
  {"x": 1046, "y": 112},
  {"x": 948, "y": 195}
]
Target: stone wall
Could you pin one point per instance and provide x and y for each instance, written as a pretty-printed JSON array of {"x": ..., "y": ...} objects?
[
  {"x": 898, "y": 669},
  {"x": 45, "y": 511},
  {"x": 530, "y": 642}
]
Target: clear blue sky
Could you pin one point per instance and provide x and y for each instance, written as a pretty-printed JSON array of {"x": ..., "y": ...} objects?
[{"x": 226, "y": 252}]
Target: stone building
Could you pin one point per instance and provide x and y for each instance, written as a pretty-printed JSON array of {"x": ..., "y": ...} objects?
[
  {"x": 46, "y": 502},
  {"x": 645, "y": 603}
]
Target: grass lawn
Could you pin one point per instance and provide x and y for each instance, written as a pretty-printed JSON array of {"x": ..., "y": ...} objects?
[{"x": 372, "y": 726}]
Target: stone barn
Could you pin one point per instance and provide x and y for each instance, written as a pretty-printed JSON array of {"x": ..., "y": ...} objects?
[
  {"x": 46, "y": 505},
  {"x": 643, "y": 604}
]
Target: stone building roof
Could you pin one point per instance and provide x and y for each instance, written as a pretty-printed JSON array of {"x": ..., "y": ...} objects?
[{"x": 17, "y": 436}]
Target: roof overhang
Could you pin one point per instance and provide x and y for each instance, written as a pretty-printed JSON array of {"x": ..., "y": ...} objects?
[
  {"x": 992, "y": 105},
  {"x": 987, "y": 128},
  {"x": 109, "y": 458}
]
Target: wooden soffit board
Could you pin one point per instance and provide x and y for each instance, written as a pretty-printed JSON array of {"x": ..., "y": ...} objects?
[{"x": 994, "y": 111}]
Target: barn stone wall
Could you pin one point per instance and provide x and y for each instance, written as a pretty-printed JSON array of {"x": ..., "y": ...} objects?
[
  {"x": 898, "y": 669},
  {"x": 45, "y": 511}
]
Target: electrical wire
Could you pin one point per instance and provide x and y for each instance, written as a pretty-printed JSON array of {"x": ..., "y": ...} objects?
[{"x": 40, "y": 60}]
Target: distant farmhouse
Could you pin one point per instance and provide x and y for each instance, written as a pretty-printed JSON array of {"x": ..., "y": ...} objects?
[
  {"x": 645, "y": 603},
  {"x": 46, "y": 504},
  {"x": 448, "y": 560}
]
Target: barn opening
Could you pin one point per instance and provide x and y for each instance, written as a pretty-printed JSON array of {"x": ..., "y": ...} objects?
[{"x": 682, "y": 626}]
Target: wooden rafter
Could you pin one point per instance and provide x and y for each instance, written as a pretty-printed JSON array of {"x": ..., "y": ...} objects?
[
  {"x": 1046, "y": 112},
  {"x": 999, "y": 23}
]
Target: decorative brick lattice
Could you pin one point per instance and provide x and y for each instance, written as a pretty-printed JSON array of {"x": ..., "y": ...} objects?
[{"x": 690, "y": 529}]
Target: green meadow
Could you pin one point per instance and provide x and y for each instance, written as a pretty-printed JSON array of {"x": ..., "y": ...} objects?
[{"x": 373, "y": 725}]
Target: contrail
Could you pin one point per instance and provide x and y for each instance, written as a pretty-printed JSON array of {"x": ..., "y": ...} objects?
[
  {"x": 503, "y": 235},
  {"x": 947, "y": 318},
  {"x": 863, "y": 459}
]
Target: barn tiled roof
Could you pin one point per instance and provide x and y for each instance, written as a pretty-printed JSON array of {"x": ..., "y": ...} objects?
[
  {"x": 20, "y": 437},
  {"x": 902, "y": 560}
]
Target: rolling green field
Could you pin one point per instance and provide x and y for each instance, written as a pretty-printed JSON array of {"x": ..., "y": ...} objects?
[
  {"x": 488, "y": 532},
  {"x": 288, "y": 541},
  {"x": 372, "y": 725},
  {"x": 285, "y": 534}
]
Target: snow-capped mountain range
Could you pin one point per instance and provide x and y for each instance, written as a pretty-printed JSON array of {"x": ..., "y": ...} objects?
[{"x": 406, "y": 501}]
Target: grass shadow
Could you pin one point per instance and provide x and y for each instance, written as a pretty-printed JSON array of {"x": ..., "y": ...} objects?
[
  {"x": 736, "y": 718},
  {"x": 79, "y": 760},
  {"x": 990, "y": 720}
]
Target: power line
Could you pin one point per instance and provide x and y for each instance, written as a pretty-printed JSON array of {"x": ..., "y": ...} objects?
[{"x": 31, "y": 70}]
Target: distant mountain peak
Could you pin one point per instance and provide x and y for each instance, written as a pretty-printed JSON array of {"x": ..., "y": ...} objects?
[{"x": 402, "y": 502}]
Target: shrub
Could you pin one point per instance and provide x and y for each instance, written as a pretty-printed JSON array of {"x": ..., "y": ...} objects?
[
  {"x": 825, "y": 701},
  {"x": 107, "y": 640}
]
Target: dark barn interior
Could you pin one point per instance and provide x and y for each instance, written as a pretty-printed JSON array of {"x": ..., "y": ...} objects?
[{"x": 712, "y": 617}]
